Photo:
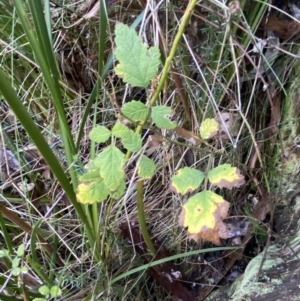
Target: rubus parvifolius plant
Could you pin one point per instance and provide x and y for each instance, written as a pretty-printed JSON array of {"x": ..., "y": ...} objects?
[{"x": 105, "y": 177}]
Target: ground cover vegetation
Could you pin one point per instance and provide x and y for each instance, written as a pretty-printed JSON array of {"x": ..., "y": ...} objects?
[{"x": 139, "y": 144}]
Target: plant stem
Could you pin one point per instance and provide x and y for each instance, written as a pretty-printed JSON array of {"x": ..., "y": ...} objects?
[{"x": 141, "y": 216}]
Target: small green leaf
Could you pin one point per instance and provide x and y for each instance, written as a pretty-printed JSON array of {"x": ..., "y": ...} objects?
[
  {"x": 111, "y": 162},
  {"x": 146, "y": 168},
  {"x": 99, "y": 134},
  {"x": 226, "y": 176},
  {"x": 16, "y": 271},
  {"x": 39, "y": 299},
  {"x": 138, "y": 65},
  {"x": 92, "y": 192},
  {"x": 135, "y": 111},
  {"x": 186, "y": 180},
  {"x": 120, "y": 130},
  {"x": 131, "y": 141},
  {"x": 21, "y": 250},
  {"x": 4, "y": 253},
  {"x": 159, "y": 114},
  {"x": 209, "y": 128},
  {"x": 44, "y": 290},
  {"x": 24, "y": 270},
  {"x": 15, "y": 262},
  {"x": 55, "y": 291}
]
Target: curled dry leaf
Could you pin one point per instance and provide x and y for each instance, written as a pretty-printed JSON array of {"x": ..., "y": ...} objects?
[
  {"x": 228, "y": 123},
  {"x": 155, "y": 142},
  {"x": 188, "y": 136},
  {"x": 234, "y": 7}
]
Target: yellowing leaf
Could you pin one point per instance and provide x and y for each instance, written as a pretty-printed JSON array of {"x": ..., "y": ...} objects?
[
  {"x": 209, "y": 128},
  {"x": 92, "y": 192},
  {"x": 203, "y": 214},
  {"x": 186, "y": 180},
  {"x": 111, "y": 161},
  {"x": 146, "y": 168},
  {"x": 138, "y": 63},
  {"x": 226, "y": 176}
]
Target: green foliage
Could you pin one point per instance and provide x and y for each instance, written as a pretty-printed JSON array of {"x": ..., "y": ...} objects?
[
  {"x": 135, "y": 111},
  {"x": 15, "y": 260},
  {"x": 52, "y": 292},
  {"x": 106, "y": 173},
  {"x": 111, "y": 163},
  {"x": 187, "y": 180},
  {"x": 138, "y": 64},
  {"x": 131, "y": 141},
  {"x": 146, "y": 168},
  {"x": 99, "y": 134},
  {"x": 159, "y": 114}
]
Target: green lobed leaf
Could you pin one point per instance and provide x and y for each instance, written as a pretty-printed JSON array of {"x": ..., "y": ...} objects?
[
  {"x": 146, "y": 168},
  {"x": 119, "y": 192},
  {"x": 15, "y": 262},
  {"x": 90, "y": 176},
  {"x": 137, "y": 64},
  {"x": 91, "y": 165},
  {"x": 120, "y": 130},
  {"x": 99, "y": 134},
  {"x": 159, "y": 113},
  {"x": 44, "y": 290},
  {"x": 55, "y": 291},
  {"x": 209, "y": 128},
  {"x": 131, "y": 141},
  {"x": 92, "y": 192},
  {"x": 16, "y": 271},
  {"x": 21, "y": 250},
  {"x": 135, "y": 111},
  {"x": 111, "y": 162},
  {"x": 186, "y": 180},
  {"x": 24, "y": 270},
  {"x": 4, "y": 253},
  {"x": 226, "y": 176}
]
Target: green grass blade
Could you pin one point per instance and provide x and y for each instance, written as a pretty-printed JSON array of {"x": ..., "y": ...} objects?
[
  {"x": 33, "y": 131},
  {"x": 44, "y": 55},
  {"x": 170, "y": 258},
  {"x": 7, "y": 240}
]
